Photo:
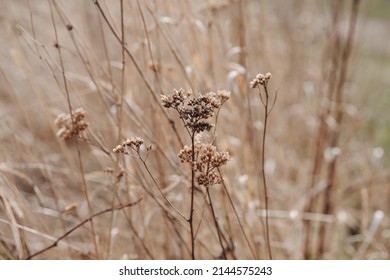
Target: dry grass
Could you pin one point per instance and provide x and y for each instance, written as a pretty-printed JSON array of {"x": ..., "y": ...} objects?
[{"x": 65, "y": 194}]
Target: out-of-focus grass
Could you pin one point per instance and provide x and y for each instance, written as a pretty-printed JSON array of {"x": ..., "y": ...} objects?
[{"x": 380, "y": 9}]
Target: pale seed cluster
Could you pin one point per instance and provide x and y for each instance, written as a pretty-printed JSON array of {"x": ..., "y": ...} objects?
[
  {"x": 71, "y": 125},
  {"x": 260, "y": 80},
  {"x": 176, "y": 99},
  {"x": 207, "y": 159},
  {"x": 134, "y": 143}
]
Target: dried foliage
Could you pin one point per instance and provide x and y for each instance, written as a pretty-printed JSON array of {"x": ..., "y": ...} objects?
[{"x": 212, "y": 174}]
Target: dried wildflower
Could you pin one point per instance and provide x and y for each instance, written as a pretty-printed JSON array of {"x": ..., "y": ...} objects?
[
  {"x": 211, "y": 158},
  {"x": 260, "y": 80},
  {"x": 207, "y": 159},
  {"x": 71, "y": 125},
  {"x": 223, "y": 95},
  {"x": 176, "y": 99},
  {"x": 195, "y": 111},
  {"x": 134, "y": 143},
  {"x": 209, "y": 179},
  {"x": 220, "y": 158},
  {"x": 119, "y": 149},
  {"x": 203, "y": 158},
  {"x": 185, "y": 154}
]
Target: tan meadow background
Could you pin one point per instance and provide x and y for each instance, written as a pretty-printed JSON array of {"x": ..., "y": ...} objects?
[{"x": 327, "y": 140}]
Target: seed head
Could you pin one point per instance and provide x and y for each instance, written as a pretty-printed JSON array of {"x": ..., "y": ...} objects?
[
  {"x": 207, "y": 159},
  {"x": 71, "y": 125},
  {"x": 133, "y": 143},
  {"x": 260, "y": 80}
]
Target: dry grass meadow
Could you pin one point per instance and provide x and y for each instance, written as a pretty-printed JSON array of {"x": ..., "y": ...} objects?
[{"x": 79, "y": 78}]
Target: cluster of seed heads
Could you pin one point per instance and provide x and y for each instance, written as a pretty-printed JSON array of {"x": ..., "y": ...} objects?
[
  {"x": 196, "y": 110},
  {"x": 260, "y": 80},
  {"x": 70, "y": 126},
  {"x": 175, "y": 99},
  {"x": 133, "y": 143},
  {"x": 207, "y": 159}
]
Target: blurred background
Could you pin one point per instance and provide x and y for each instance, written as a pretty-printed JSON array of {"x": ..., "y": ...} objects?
[{"x": 328, "y": 136}]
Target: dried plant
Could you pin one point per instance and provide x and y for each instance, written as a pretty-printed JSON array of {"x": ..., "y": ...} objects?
[
  {"x": 207, "y": 160},
  {"x": 132, "y": 144},
  {"x": 115, "y": 70},
  {"x": 203, "y": 158},
  {"x": 261, "y": 82},
  {"x": 71, "y": 125},
  {"x": 132, "y": 147}
]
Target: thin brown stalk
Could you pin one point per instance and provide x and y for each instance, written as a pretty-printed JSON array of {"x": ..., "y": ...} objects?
[
  {"x": 216, "y": 223},
  {"x": 134, "y": 230},
  {"x": 261, "y": 82},
  {"x": 84, "y": 183},
  {"x": 329, "y": 207},
  {"x": 158, "y": 187},
  {"x": 140, "y": 72},
  {"x": 55, "y": 243},
  {"x": 191, "y": 217},
  {"x": 120, "y": 120},
  {"x": 323, "y": 132},
  {"x": 155, "y": 67},
  {"x": 169, "y": 40},
  {"x": 266, "y": 113},
  {"x": 224, "y": 186},
  {"x": 86, "y": 64},
  {"x": 238, "y": 218}
]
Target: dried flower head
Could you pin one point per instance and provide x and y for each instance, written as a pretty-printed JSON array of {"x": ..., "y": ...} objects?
[
  {"x": 207, "y": 159},
  {"x": 134, "y": 143},
  {"x": 71, "y": 125},
  {"x": 195, "y": 111},
  {"x": 223, "y": 95},
  {"x": 176, "y": 99},
  {"x": 260, "y": 80}
]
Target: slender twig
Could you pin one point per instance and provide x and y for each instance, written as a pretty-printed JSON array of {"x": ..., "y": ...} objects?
[
  {"x": 169, "y": 40},
  {"x": 216, "y": 223},
  {"x": 191, "y": 218},
  {"x": 237, "y": 217},
  {"x": 139, "y": 70},
  {"x": 262, "y": 167},
  {"x": 158, "y": 187},
  {"x": 323, "y": 131},
  {"x": 84, "y": 183},
  {"x": 193, "y": 113},
  {"x": 55, "y": 243},
  {"x": 329, "y": 206},
  {"x": 261, "y": 81},
  {"x": 120, "y": 121}
]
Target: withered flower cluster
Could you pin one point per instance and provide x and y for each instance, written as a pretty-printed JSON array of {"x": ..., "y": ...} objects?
[
  {"x": 260, "y": 80},
  {"x": 207, "y": 159},
  {"x": 70, "y": 126},
  {"x": 196, "y": 110},
  {"x": 134, "y": 143}
]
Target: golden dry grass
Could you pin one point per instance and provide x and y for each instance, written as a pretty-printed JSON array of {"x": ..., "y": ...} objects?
[{"x": 328, "y": 139}]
